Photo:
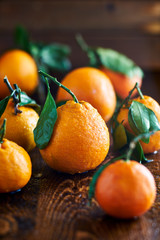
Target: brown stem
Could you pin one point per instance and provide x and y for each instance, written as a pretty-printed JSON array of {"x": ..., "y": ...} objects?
[{"x": 15, "y": 99}]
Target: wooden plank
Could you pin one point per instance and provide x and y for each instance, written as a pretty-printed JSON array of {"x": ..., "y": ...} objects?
[{"x": 78, "y": 14}]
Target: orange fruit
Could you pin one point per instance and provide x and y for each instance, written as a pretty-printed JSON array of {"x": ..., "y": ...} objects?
[
  {"x": 80, "y": 139},
  {"x": 149, "y": 102},
  {"x": 20, "y": 127},
  {"x": 93, "y": 86},
  {"x": 15, "y": 167},
  {"x": 125, "y": 189},
  {"x": 122, "y": 83},
  {"x": 20, "y": 68}
]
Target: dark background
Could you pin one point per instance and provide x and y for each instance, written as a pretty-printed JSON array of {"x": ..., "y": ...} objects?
[{"x": 131, "y": 27}]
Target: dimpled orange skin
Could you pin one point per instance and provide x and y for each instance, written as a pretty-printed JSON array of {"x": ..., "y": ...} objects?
[
  {"x": 125, "y": 189},
  {"x": 154, "y": 143},
  {"x": 80, "y": 139},
  {"x": 15, "y": 167},
  {"x": 20, "y": 68},
  {"x": 19, "y": 128},
  {"x": 93, "y": 86},
  {"x": 121, "y": 83}
]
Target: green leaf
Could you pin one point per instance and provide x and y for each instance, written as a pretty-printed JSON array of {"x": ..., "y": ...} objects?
[
  {"x": 21, "y": 38},
  {"x": 46, "y": 122},
  {"x": 154, "y": 123},
  {"x": 119, "y": 137},
  {"x": 27, "y": 101},
  {"x": 55, "y": 56},
  {"x": 3, "y": 105},
  {"x": 115, "y": 61},
  {"x": 138, "y": 117},
  {"x": 142, "y": 119}
]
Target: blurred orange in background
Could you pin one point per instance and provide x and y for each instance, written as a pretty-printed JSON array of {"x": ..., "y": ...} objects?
[
  {"x": 20, "y": 68},
  {"x": 93, "y": 86}
]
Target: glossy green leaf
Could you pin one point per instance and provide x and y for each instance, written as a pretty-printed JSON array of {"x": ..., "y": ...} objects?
[
  {"x": 25, "y": 100},
  {"x": 114, "y": 60},
  {"x": 46, "y": 122},
  {"x": 138, "y": 117},
  {"x": 142, "y": 119},
  {"x": 3, "y": 105},
  {"x": 154, "y": 123}
]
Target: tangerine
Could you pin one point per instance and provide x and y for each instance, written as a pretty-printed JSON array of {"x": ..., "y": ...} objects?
[
  {"x": 20, "y": 127},
  {"x": 122, "y": 83},
  {"x": 125, "y": 189},
  {"x": 20, "y": 68},
  {"x": 93, "y": 86},
  {"x": 15, "y": 167},
  {"x": 80, "y": 139},
  {"x": 149, "y": 102}
]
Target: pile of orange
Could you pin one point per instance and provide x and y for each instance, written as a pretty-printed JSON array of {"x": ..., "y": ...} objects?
[
  {"x": 15, "y": 163},
  {"x": 80, "y": 138}
]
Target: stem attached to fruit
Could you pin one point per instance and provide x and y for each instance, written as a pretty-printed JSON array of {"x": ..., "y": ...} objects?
[
  {"x": 139, "y": 91},
  {"x": 15, "y": 98},
  {"x": 59, "y": 84},
  {"x": 3, "y": 130}
]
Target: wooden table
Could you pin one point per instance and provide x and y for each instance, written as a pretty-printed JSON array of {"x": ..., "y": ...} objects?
[{"x": 55, "y": 206}]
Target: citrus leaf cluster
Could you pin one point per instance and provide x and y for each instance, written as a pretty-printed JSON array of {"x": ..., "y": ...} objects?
[
  {"x": 142, "y": 120},
  {"x": 114, "y": 61},
  {"x": 110, "y": 59},
  {"x": 53, "y": 56}
]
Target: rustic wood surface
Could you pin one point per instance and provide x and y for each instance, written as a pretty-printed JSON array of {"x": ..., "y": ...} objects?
[{"x": 54, "y": 206}]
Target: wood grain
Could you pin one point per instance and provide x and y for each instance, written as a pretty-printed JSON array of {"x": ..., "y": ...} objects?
[
  {"x": 79, "y": 14},
  {"x": 55, "y": 206}
]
